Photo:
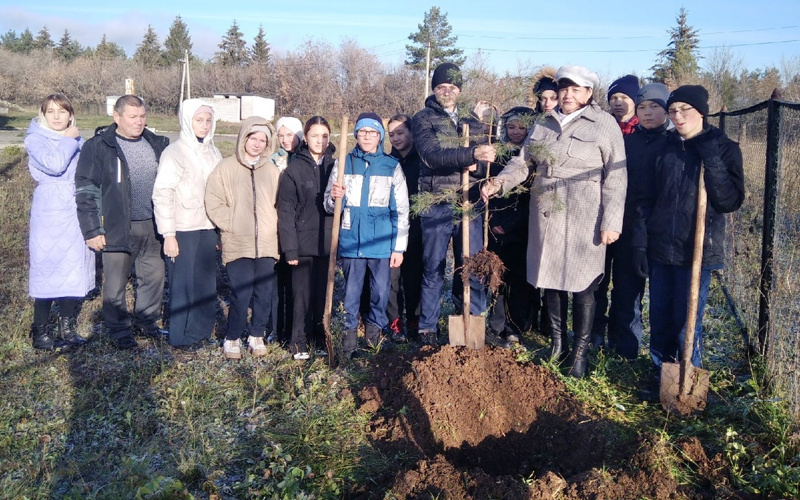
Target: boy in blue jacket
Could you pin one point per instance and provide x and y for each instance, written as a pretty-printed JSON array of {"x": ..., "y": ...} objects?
[{"x": 374, "y": 232}]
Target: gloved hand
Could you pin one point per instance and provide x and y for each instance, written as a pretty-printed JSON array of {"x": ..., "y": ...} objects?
[
  {"x": 640, "y": 262},
  {"x": 706, "y": 146}
]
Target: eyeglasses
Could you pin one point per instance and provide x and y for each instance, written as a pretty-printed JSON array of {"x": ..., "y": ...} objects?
[
  {"x": 368, "y": 133},
  {"x": 682, "y": 111}
]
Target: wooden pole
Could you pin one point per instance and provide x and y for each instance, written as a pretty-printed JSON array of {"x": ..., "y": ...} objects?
[
  {"x": 337, "y": 222},
  {"x": 188, "y": 75},
  {"x": 466, "y": 309}
]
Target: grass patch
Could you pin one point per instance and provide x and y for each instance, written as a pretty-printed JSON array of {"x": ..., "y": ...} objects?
[{"x": 98, "y": 423}]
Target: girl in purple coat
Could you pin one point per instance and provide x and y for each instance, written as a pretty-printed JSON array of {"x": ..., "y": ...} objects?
[{"x": 62, "y": 267}]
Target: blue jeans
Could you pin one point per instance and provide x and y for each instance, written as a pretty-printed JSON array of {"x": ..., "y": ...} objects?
[
  {"x": 669, "y": 301},
  {"x": 439, "y": 226},
  {"x": 379, "y": 286}
]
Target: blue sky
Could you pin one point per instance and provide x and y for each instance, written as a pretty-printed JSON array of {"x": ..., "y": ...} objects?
[{"x": 612, "y": 38}]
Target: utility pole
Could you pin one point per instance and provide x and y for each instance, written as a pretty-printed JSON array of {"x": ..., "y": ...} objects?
[
  {"x": 427, "y": 73},
  {"x": 186, "y": 78}
]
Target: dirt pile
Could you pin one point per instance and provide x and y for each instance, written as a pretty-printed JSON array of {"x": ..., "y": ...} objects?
[{"x": 471, "y": 424}]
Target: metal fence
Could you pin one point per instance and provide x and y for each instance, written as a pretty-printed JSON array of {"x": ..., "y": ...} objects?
[{"x": 762, "y": 271}]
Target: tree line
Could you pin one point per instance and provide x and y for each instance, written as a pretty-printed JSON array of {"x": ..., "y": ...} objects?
[{"x": 320, "y": 78}]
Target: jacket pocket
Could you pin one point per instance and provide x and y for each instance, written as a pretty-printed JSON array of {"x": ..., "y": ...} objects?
[
  {"x": 380, "y": 190},
  {"x": 583, "y": 145}
]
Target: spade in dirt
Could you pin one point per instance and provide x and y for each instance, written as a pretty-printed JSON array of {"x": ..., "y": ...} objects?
[
  {"x": 684, "y": 387},
  {"x": 466, "y": 330}
]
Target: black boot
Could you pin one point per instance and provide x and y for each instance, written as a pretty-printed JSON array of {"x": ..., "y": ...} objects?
[
  {"x": 67, "y": 331},
  {"x": 42, "y": 338},
  {"x": 582, "y": 319},
  {"x": 349, "y": 343},
  {"x": 373, "y": 335},
  {"x": 556, "y": 320}
]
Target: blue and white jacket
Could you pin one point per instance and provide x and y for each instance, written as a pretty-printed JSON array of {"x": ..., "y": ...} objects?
[{"x": 375, "y": 206}]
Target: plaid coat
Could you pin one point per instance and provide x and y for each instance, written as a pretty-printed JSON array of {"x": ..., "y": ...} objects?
[{"x": 578, "y": 190}]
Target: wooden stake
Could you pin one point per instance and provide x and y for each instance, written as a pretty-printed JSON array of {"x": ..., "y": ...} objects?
[{"x": 337, "y": 222}]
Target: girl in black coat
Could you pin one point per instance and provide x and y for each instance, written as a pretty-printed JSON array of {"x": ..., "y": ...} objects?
[{"x": 304, "y": 228}]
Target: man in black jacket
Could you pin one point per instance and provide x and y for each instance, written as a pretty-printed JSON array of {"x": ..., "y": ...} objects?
[
  {"x": 114, "y": 188},
  {"x": 437, "y": 132}
]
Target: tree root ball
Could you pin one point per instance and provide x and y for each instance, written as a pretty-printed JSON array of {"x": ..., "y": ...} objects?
[{"x": 487, "y": 267}]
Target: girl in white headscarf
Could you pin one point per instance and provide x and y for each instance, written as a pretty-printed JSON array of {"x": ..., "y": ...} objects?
[{"x": 189, "y": 237}]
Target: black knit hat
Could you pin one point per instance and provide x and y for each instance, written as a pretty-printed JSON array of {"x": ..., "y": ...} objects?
[
  {"x": 447, "y": 73},
  {"x": 693, "y": 95},
  {"x": 628, "y": 85}
]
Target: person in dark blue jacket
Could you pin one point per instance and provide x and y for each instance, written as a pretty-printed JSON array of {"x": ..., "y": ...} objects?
[
  {"x": 664, "y": 225},
  {"x": 374, "y": 231}
]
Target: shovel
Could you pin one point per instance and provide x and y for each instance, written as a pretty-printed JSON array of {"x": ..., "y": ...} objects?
[
  {"x": 337, "y": 222},
  {"x": 466, "y": 330},
  {"x": 684, "y": 387}
]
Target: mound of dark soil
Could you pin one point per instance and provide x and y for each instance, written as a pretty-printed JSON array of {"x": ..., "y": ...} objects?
[{"x": 461, "y": 423}]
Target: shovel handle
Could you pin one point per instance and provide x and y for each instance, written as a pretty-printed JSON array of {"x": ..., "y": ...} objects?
[
  {"x": 465, "y": 206},
  {"x": 694, "y": 287},
  {"x": 337, "y": 222}
]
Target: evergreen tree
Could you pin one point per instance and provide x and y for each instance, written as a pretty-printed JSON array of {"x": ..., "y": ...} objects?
[
  {"x": 25, "y": 44},
  {"x": 259, "y": 52},
  {"x": 434, "y": 30},
  {"x": 679, "y": 60},
  {"x": 233, "y": 48},
  {"x": 177, "y": 41},
  {"x": 108, "y": 50},
  {"x": 148, "y": 52},
  {"x": 67, "y": 48},
  {"x": 43, "y": 40},
  {"x": 9, "y": 40}
]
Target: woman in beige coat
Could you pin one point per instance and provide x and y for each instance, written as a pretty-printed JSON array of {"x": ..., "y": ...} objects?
[
  {"x": 577, "y": 202},
  {"x": 240, "y": 200}
]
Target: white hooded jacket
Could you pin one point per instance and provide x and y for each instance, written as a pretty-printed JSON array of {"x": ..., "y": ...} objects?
[{"x": 179, "y": 191}]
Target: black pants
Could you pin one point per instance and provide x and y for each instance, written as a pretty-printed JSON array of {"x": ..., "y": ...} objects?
[
  {"x": 285, "y": 307},
  {"x": 513, "y": 303},
  {"x": 407, "y": 283},
  {"x": 252, "y": 279},
  {"x": 309, "y": 280},
  {"x": 192, "y": 288}
]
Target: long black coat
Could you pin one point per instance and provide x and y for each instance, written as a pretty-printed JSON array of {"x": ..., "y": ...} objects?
[
  {"x": 666, "y": 209},
  {"x": 304, "y": 227}
]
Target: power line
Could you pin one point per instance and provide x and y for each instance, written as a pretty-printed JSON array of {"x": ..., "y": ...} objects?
[
  {"x": 557, "y": 38},
  {"x": 617, "y": 51}
]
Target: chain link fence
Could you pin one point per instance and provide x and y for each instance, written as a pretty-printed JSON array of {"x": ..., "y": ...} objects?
[{"x": 762, "y": 272}]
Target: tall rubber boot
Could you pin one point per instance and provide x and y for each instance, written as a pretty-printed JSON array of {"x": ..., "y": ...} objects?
[
  {"x": 556, "y": 318},
  {"x": 67, "y": 331},
  {"x": 42, "y": 338},
  {"x": 349, "y": 343},
  {"x": 582, "y": 319}
]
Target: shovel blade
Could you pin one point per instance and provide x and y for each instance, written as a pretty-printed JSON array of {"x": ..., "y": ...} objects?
[
  {"x": 691, "y": 402},
  {"x": 473, "y": 337}
]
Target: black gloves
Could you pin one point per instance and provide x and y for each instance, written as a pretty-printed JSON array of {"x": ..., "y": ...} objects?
[{"x": 640, "y": 262}]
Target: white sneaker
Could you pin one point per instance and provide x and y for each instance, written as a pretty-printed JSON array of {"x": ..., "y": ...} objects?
[
  {"x": 301, "y": 356},
  {"x": 257, "y": 347},
  {"x": 231, "y": 350}
]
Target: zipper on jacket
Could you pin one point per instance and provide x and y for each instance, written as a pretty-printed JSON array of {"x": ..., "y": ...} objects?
[
  {"x": 255, "y": 214},
  {"x": 119, "y": 170}
]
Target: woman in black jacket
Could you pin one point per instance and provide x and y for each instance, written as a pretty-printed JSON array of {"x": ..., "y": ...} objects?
[
  {"x": 665, "y": 227},
  {"x": 304, "y": 229}
]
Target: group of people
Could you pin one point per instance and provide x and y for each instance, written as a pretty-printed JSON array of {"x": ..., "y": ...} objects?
[{"x": 606, "y": 201}]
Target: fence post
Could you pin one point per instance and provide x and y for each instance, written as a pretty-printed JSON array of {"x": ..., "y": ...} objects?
[
  {"x": 722, "y": 113},
  {"x": 770, "y": 213}
]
